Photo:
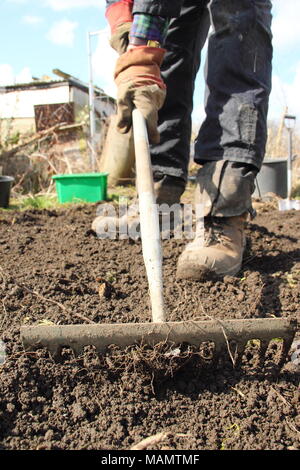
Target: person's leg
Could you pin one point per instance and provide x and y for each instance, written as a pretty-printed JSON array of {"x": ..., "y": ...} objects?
[
  {"x": 186, "y": 36},
  {"x": 231, "y": 142},
  {"x": 185, "y": 39},
  {"x": 233, "y": 136}
]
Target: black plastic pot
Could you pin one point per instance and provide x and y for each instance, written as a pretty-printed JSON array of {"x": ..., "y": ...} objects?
[
  {"x": 272, "y": 178},
  {"x": 5, "y": 187}
]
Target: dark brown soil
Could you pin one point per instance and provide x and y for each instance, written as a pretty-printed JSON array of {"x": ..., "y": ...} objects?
[{"x": 52, "y": 267}]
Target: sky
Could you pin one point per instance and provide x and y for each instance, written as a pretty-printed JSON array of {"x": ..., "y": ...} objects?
[{"x": 37, "y": 36}]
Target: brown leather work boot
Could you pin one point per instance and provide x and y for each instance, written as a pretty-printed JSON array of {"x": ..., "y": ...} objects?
[{"x": 220, "y": 252}]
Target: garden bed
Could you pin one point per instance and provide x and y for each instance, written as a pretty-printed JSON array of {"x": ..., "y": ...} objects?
[{"x": 52, "y": 267}]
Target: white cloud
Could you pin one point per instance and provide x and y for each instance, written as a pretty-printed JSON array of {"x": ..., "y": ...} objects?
[
  {"x": 25, "y": 76},
  {"x": 17, "y": 1},
  {"x": 28, "y": 19},
  {"x": 60, "y": 5},
  {"x": 9, "y": 77},
  {"x": 62, "y": 33},
  {"x": 286, "y": 31},
  {"x": 104, "y": 61}
]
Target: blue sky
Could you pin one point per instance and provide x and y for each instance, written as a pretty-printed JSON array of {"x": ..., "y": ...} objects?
[
  {"x": 37, "y": 36},
  {"x": 43, "y": 35}
]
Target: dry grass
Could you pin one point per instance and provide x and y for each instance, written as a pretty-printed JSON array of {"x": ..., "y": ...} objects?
[{"x": 59, "y": 153}]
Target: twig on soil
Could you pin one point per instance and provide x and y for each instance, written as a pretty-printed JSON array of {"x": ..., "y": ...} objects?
[
  {"x": 151, "y": 441},
  {"x": 5, "y": 314},
  {"x": 239, "y": 392},
  {"x": 281, "y": 397},
  {"x": 223, "y": 331},
  {"x": 152, "y": 383},
  {"x": 292, "y": 427},
  {"x": 154, "y": 440},
  {"x": 45, "y": 299}
]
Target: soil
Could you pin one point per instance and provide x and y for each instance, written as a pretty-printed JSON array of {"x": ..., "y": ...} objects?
[{"x": 54, "y": 269}]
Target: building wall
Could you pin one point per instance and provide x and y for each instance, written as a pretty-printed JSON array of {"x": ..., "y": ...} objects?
[
  {"x": 9, "y": 127},
  {"x": 79, "y": 97},
  {"x": 20, "y": 103},
  {"x": 17, "y": 108}
]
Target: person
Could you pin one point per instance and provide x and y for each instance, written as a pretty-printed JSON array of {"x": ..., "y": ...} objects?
[{"x": 159, "y": 44}]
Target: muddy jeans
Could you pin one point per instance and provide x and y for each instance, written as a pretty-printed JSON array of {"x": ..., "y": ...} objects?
[{"x": 231, "y": 141}]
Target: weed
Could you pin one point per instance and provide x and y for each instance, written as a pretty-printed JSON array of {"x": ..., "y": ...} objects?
[
  {"x": 37, "y": 202},
  {"x": 41, "y": 201},
  {"x": 233, "y": 432}
]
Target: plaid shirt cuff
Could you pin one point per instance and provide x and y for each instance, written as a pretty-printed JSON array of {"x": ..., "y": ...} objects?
[{"x": 152, "y": 28}]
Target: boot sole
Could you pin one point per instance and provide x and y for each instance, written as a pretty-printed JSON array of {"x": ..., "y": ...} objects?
[{"x": 203, "y": 273}]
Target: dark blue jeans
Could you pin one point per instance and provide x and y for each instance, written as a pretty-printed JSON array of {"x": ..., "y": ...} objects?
[{"x": 238, "y": 83}]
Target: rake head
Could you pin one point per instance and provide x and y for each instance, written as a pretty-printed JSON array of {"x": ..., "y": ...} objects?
[{"x": 229, "y": 337}]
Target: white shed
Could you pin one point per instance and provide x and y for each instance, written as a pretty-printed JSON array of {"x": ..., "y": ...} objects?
[{"x": 34, "y": 106}]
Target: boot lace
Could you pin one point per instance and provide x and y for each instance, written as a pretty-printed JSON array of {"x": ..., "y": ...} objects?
[{"x": 214, "y": 231}]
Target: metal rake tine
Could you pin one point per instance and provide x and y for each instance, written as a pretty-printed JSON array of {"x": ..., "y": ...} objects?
[
  {"x": 237, "y": 332},
  {"x": 262, "y": 352},
  {"x": 287, "y": 343},
  {"x": 240, "y": 349},
  {"x": 217, "y": 355}
]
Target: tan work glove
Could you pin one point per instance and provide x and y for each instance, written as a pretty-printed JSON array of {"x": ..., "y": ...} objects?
[
  {"x": 119, "y": 40},
  {"x": 139, "y": 82}
]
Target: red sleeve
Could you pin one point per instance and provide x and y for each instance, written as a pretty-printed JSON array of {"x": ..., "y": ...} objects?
[{"x": 118, "y": 13}]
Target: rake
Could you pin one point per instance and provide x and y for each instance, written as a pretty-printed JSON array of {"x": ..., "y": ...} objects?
[{"x": 223, "y": 334}]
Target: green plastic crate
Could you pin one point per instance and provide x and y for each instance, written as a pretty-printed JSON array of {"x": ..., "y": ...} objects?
[{"x": 87, "y": 187}]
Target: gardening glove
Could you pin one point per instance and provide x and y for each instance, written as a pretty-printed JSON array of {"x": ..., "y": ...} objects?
[
  {"x": 119, "y": 16},
  {"x": 139, "y": 82},
  {"x": 119, "y": 40}
]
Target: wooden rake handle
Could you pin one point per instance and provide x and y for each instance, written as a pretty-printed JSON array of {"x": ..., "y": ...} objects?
[{"x": 149, "y": 219}]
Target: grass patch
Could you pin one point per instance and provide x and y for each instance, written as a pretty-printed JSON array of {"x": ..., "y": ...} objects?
[
  {"x": 50, "y": 201},
  {"x": 35, "y": 202},
  {"x": 40, "y": 202}
]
